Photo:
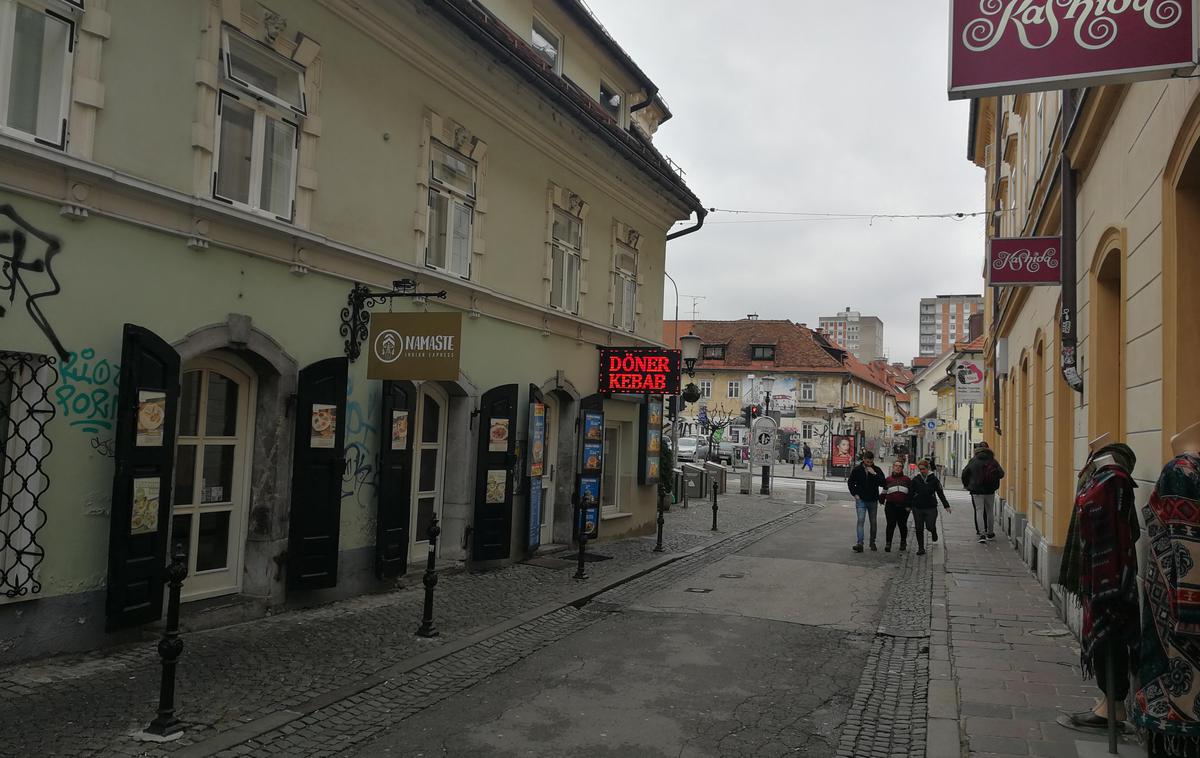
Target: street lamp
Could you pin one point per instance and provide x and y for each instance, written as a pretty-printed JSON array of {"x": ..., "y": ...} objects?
[
  {"x": 689, "y": 345},
  {"x": 768, "y": 383}
]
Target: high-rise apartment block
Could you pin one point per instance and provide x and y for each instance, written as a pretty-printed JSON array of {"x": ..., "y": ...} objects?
[
  {"x": 861, "y": 335},
  {"x": 944, "y": 321}
]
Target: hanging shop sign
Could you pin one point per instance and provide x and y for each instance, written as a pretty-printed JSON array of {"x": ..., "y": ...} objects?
[
  {"x": 912, "y": 421},
  {"x": 414, "y": 346},
  {"x": 1024, "y": 261},
  {"x": 639, "y": 370},
  {"x": 968, "y": 381},
  {"x": 1001, "y": 47}
]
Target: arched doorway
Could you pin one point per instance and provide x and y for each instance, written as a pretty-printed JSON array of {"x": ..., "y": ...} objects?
[
  {"x": 429, "y": 464},
  {"x": 212, "y": 472},
  {"x": 553, "y": 418},
  {"x": 1106, "y": 340}
]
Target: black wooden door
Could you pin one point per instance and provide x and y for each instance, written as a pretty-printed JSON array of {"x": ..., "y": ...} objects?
[
  {"x": 148, "y": 402},
  {"x": 492, "y": 537},
  {"x": 398, "y": 412},
  {"x": 318, "y": 462}
]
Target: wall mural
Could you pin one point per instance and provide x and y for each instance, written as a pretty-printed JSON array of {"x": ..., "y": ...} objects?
[{"x": 25, "y": 266}]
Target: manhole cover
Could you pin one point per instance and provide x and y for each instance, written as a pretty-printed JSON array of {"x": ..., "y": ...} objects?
[
  {"x": 698, "y": 590},
  {"x": 1050, "y": 633},
  {"x": 733, "y": 576}
]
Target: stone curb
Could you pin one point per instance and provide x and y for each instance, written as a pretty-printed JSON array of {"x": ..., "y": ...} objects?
[{"x": 240, "y": 734}]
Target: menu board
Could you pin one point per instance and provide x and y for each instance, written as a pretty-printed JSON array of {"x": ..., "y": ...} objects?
[
  {"x": 589, "y": 511},
  {"x": 591, "y": 464},
  {"x": 650, "y": 449},
  {"x": 537, "y": 439}
]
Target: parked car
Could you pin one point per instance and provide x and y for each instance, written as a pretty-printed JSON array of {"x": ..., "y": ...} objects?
[
  {"x": 691, "y": 449},
  {"x": 727, "y": 452}
]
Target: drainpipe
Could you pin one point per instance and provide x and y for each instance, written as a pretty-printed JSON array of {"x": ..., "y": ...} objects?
[
  {"x": 700, "y": 214},
  {"x": 996, "y": 217},
  {"x": 650, "y": 95},
  {"x": 1068, "y": 317}
]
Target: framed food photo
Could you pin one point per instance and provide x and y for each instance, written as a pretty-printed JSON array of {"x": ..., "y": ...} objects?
[
  {"x": 399, "y": 430},
  {"x": 497, "y": 483},
  {"x": 143, "y": 518},
  {"x": 498, "y": 436},
  {"x": 593, "y": 456},
  {"x": 593, "y": 427},
  {"x": 324, "y": 426},
  {"x": 151, "y": 415}
]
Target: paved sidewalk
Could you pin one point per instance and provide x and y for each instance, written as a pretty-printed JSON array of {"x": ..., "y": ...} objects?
[
  {"x": 88, "y": 705},
  {"x": 1003, "y": 666}
]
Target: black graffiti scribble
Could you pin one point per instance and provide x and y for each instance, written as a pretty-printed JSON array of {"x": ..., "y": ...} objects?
[{"x": 17, "y": 263}]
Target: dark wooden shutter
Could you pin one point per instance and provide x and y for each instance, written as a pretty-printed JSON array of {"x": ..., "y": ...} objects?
[
  {"x": 318, "y": 463},
  {"x": 394, "y": 507},
  {"x": 492, "y": 536},
  {"x": 137, "y": 552}
]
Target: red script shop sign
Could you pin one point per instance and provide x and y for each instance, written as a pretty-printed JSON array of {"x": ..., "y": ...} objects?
[
  {"x": 639, "y": 370},
  {"x": 1010, "y": 46},
  {"x": 1024, "y": 261}
]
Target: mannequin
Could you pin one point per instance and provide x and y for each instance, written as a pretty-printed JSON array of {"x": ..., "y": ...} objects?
[
  {"x": 1100, "y": 565},
  {"x": 1168, "y": 703}
]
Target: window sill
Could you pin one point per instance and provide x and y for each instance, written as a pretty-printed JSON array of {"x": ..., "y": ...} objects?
[{"x": 614, "y": 515}]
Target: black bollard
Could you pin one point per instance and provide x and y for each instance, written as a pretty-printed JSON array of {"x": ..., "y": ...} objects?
[
  {"x": 662, "y": 499},
  {"x": 169, "y": 648},
  {"x": 716, "y": 487},
  {"x": 427, "y": 629},
  {"x": 580, "y": 572}
]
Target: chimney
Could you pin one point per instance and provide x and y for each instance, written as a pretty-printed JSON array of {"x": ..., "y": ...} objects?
[
  {"x": 803, "y": 326},
  {"x": 752, "y": 316}
]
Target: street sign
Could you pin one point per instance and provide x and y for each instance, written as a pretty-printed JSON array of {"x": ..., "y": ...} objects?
[
  {"x": 931, "y": 424},
  {"x": 763, "y": 441}
]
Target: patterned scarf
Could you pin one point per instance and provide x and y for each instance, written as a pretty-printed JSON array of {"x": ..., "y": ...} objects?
[
  {"x": 1168, "y": 704},
  {"x": 1108, "y": 533}
]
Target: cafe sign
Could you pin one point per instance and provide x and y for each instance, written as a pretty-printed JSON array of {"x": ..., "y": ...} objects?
[
  {"x": 639, "y": 371},
  {"x": 1001, "y": 47},
  {"x": 1024, "y": 261},
  {"x": 415, "y": 346}
]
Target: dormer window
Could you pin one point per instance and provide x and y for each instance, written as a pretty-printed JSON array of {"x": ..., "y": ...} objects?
[
  {"x": 714, "y": 352},
  {"x": 612, "y": 101},
  {"x": 547, "y": 43},
  {"x": 763, "y": 352}
]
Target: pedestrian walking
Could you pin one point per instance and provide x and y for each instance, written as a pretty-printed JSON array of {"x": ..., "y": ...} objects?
[
  {"x": 924, "y": 492},
  {"x": 865, "y": 483},
  {"x": 895, "y": 507},
  {"x": 981, "y": 478},
  {"x": 808, "y": 458}
]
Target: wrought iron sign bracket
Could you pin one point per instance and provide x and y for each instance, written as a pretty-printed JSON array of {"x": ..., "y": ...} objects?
[{"x": 356, "y": 316}]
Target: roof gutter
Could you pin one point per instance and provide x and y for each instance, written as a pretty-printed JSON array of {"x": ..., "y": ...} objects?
[
  {"x": 700, "y": 214},
  {"x": 651, "y": 93}
]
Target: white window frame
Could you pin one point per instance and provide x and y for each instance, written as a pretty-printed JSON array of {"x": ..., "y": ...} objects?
[
  {"x": 455, "y": 197},
  {"x": 806, "y": 430},
  {"x": 705, "y": 388},
  {"x": 808, "y": 392},
  {"x": 606, "y": 84},
  {"x": 262, "y": 112},
  {"x": 735, "y": 389},
  {"x": 628, "y": 281},
  {"x": 226, "y": 34},
  {"x": 8, "y": 12},
  {"x": 567, "y": 251},
  {"x": 558, "y": 60}
]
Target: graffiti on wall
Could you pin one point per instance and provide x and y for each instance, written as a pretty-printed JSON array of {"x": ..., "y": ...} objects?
[
  {"x": 87, "y": 392},
  {"x": 25, "y": 266},
  {"x": 362, "y": 433}
]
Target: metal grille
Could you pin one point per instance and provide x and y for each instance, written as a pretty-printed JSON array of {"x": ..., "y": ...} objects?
[{"x": 25, "y": 412}]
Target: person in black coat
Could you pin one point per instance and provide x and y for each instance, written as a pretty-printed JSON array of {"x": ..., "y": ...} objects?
[
  {"x": 865, "y": 482},
  {"x": 924, "y": 492}
]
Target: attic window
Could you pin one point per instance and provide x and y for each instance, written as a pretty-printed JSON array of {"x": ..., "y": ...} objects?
[
  {"x": 763, "y": 352},
  {"x": 714, "y": 352},
  {"x": 547, "y": 43}
]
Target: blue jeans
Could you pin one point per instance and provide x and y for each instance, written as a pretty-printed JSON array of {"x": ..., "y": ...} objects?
[
  {"x": 807, "y": 464},
  {"x": 863, "y": 509}
]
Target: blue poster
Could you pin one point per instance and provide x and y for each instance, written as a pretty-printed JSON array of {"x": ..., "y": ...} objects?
[
  {"x": 593, "y": 453},
  {"x": 589, "y": 501},
  {"x": 535, "y": 512},
  {"x": 593, "y": 427}
]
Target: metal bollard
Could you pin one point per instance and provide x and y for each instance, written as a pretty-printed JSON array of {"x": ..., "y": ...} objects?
[
  {"x": 169, "y": 649},
  {"x": 662, "y": 499},
  {"x": 810, "y": 493},
  {"x": 427, "y": 629},
  {"x": 715, "y": 489},
  {"x": 580, "y": 572},
  {"x": 685, "y": 492}
]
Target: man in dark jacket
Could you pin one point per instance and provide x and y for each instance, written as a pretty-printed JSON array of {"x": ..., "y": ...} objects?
[
  {"x": 865, "y": 482},
  {"x": 982, "y": 477}
]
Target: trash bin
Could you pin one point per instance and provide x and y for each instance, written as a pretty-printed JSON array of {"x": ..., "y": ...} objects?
[
  {"x": 695, "y": 480},
  {"x": 744, "y": 483},
  {"x": 719, "y": 474}
]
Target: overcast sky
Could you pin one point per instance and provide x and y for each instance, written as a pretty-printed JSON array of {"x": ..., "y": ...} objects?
[{"x": 800, "y": 105}]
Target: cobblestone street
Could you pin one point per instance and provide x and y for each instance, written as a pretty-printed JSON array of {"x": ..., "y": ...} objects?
[{"x": 83, "y": 706}]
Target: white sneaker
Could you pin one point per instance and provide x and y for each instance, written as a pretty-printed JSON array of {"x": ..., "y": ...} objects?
[{"x": 982, "y": 539}]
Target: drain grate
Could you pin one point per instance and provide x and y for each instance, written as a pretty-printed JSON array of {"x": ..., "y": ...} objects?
[{"x": 698, "y": 590}]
